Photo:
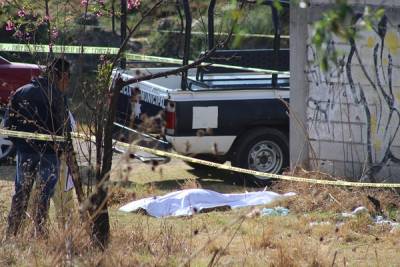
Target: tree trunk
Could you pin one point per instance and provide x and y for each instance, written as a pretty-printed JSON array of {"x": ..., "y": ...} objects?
[{"x": 99, "y": 208}]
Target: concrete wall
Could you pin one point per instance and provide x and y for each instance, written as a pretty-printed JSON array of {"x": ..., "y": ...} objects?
[{"x": 350, "y": 115}]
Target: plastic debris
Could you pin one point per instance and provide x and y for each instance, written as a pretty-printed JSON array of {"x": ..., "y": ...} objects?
[
  {"x": 377, "y": 219},
  {"x": 277, "y": 211},
  {"x": 382, "y": 221},
  {"x": 357, "y": 211}
]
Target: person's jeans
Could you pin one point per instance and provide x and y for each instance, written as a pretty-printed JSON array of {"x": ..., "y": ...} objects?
[{"x": 31, "y": 167}]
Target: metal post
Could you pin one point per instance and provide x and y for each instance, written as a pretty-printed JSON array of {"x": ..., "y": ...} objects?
[
  {"x": 277, "y": 39},
  {"x": 123, "y": 31},
  {"x": 186, "y": 51},
  {"x": 211, "y": 8},
  {"x": 113, "y": 16}
]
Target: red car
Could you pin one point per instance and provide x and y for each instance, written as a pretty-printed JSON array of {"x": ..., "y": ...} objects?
[{"x": 12, "y": 76}]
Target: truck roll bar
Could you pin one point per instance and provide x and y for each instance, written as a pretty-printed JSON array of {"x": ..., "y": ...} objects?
[{"x": 211, "y": 34}]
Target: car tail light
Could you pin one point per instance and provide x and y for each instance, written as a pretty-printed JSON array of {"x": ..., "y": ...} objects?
[{"x": 170, "y": 117}]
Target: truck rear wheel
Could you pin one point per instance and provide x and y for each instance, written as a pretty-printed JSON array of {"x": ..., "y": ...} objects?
[{"x": 264, "y": 150}]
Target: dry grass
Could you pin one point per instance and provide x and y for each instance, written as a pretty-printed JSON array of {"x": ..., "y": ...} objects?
[
  {"x": 312, "y": 235},
  {"x": 320, "y": 198}
]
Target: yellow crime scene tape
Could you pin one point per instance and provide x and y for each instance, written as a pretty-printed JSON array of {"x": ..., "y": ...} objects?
[
  {"x": 98, "y": 50},
  {"x": 44, "y": 137}
]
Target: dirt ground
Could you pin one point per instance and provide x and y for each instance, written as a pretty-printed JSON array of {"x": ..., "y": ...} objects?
[{"x": 313, "y": 234}]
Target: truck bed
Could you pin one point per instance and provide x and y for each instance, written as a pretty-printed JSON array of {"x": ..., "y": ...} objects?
[
  {"x": 234, "y": 81},
  {"x": 213, "y": 82}
]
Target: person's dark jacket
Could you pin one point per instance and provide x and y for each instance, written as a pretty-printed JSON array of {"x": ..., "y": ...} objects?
[{"x": 38, "y": 107}]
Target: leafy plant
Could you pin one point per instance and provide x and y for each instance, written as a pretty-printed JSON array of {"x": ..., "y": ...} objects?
[{"x": 340, "y": 22}]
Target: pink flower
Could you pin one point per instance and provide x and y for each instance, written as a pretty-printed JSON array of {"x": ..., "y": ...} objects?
[
  {"x": 133, "y": 4},
  {"x": 99, "y": 13},
  {"x": 101, "y": 2},
  {"x": 10, "y": 25},
  {"x": 19, "y": 34},
  {"x": 47, "y": 18},
  {"x": 54, "y": 33},
  {"x": 21, "y": 13},
  {"x": 28, "y": 36},
  {"x": 84, "y": 2}
]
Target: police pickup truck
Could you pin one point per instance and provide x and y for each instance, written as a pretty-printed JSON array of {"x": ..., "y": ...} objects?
[
  {"x": 222, "y": 114},
  {"x": 238, "y": 117}
]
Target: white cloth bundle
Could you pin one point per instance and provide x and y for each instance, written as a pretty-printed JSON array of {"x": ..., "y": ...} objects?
[{"x": 190, "y": 201}]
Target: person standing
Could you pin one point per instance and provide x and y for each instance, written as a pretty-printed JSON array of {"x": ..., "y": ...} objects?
[{"x": 38, "y": 107}]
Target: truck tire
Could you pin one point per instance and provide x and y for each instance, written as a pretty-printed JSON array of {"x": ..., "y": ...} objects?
[{"x": 262, "y": 149}]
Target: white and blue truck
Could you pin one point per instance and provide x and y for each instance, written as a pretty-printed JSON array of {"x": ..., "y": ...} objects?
[{"x": 221, "y": 113}]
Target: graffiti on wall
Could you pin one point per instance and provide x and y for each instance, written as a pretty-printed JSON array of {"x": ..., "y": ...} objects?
[{"x": 356, "y": 104}]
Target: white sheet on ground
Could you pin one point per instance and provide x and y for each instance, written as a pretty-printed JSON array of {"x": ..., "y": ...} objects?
[{"x": 190, "y": 201}]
